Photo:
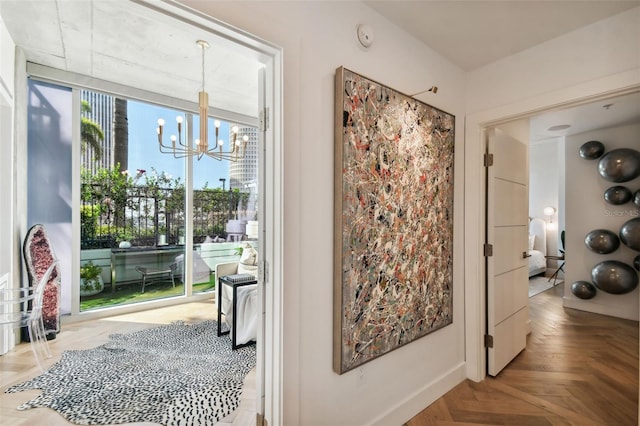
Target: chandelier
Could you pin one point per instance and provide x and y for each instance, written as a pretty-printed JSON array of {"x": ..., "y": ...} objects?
[{"x": 200, "y": 147}]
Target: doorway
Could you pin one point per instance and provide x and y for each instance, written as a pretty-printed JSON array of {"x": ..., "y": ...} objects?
[
  {"x": 475, "y": 130},
  {"x": 267, "y": 92}
]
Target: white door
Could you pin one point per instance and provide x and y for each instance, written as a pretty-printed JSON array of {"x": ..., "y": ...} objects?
[{"x": 507, "y": 235}]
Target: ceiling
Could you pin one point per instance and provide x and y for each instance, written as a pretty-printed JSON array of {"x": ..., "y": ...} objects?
[
  {"x": 611, "y": 112},
  {"x": 161, "y": 54},
  {"x": 474, "y": 33},
  {"x": 125, "y": 42}
]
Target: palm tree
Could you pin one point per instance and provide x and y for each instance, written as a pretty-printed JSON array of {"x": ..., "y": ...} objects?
[
  {"x": 121, "y": 134},
  {"x": 120, "y": 146},
  {"x": 91, "y": 133}
]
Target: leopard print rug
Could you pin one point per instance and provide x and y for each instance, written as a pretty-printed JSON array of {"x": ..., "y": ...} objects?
[{"x": 178, "y": 374}]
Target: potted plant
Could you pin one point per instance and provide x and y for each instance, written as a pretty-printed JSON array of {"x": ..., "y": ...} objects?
[
  {"x": 90, "y": 279},
  {"x": 124, "y": 238}
]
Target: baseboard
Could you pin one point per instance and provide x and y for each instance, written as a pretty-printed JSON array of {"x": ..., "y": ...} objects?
[
  {"x": 596, "y": 308},
  {"x": 410, "y": 407}
]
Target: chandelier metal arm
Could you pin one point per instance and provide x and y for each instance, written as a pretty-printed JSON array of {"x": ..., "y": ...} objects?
[{"x": 200, "y": 147}]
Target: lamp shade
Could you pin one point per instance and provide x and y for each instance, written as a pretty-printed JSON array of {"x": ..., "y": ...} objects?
[{"x": 549, "y": 211}]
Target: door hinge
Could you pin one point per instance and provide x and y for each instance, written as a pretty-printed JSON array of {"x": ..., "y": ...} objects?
[
  {"x": 488, "y": 341},
  {"x": 488, "y": 159},
  {"x": 265, "y": 271},
  {"x": 488, "y": 250},
  {"x": 264, "y": 120}
]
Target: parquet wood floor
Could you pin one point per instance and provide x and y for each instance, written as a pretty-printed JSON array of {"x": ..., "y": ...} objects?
[{"x": 578, "y": 368}]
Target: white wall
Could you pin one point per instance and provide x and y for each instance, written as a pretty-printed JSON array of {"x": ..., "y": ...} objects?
[
  {"x": 605, "y": 48},
  {"x": 587, "y": 210},
  {"x": 543, "y": 171},
  {"x": 544, "y": 184},
  {"x": 7, "y": 245},
  {"x": 317, "y": 38}
]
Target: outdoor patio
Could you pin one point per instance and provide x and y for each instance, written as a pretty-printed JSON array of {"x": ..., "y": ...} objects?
[{"x": 131, "y": 223}]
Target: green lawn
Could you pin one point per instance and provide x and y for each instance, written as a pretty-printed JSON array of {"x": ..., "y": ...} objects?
[{"x": 130, "y": 293}]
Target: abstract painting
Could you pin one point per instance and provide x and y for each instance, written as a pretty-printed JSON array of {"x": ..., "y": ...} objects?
[{"x": 393, "y": 223}]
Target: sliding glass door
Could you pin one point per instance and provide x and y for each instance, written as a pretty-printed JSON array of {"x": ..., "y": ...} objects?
[
  {"x": 153, "y": 223},
  {"x": 132, "y": 205}
]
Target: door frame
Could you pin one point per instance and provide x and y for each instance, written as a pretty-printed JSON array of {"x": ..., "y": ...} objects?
[
  {"x": 476, "y": 126},
  {"x": 269, "y": 397},
  {"x": 270, "y": 368},
  {"x": 270, "y": 393}
]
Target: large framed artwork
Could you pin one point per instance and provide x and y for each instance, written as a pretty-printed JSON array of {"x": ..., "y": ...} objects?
[{"x": 393, "y": 223}]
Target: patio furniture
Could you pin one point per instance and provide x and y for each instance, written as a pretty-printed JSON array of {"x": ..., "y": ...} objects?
[
  {"x": 200, "y": 270},
  {"x": 157, "y": 275},
  {"x": 124, "y": 261},
  {"x": 22, "y": 307}
]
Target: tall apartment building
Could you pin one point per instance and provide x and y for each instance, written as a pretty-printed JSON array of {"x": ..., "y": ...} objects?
[
  {"x": 102, "y": 109},
  {"x": 243, "y": 174}
]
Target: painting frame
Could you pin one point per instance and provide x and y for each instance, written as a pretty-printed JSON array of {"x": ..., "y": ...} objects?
[{"x": 393, "y": 220}]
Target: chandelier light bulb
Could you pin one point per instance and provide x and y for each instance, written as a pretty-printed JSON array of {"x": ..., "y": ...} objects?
[{"x": 200, "y": 146}]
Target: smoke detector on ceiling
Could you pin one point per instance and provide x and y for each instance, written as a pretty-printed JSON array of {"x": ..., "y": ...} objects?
[{"x": 365, "y": 35}]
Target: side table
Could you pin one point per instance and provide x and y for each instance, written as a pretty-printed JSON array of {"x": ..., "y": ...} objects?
[
  {"x": 560, "y": 268},
  {"x": 233, "y": 281}
]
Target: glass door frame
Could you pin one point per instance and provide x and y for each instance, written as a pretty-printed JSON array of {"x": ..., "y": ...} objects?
[
  {"x": 271, "y": 392},
  {"x": 68, "y": 79}
]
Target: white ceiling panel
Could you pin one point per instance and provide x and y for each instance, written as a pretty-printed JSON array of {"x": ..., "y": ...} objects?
[
  {"x": 127, "y": 43},
  {"x": 35, "y": 25}
]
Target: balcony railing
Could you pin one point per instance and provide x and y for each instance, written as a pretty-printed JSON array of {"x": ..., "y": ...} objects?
[{"x": 145, "y": 215}]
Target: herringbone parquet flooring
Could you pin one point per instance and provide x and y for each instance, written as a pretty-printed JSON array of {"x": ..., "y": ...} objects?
[{"x": 578, "y": 368}]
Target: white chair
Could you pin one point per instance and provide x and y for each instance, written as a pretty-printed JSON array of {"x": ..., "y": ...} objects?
[{"x": 22, "y": 307}]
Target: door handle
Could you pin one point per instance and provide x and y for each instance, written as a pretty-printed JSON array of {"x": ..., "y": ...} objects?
[{"x": 525, "y": 255}]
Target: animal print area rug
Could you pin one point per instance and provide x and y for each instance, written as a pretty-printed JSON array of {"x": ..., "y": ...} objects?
[{"x": 178, "y": 374}]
